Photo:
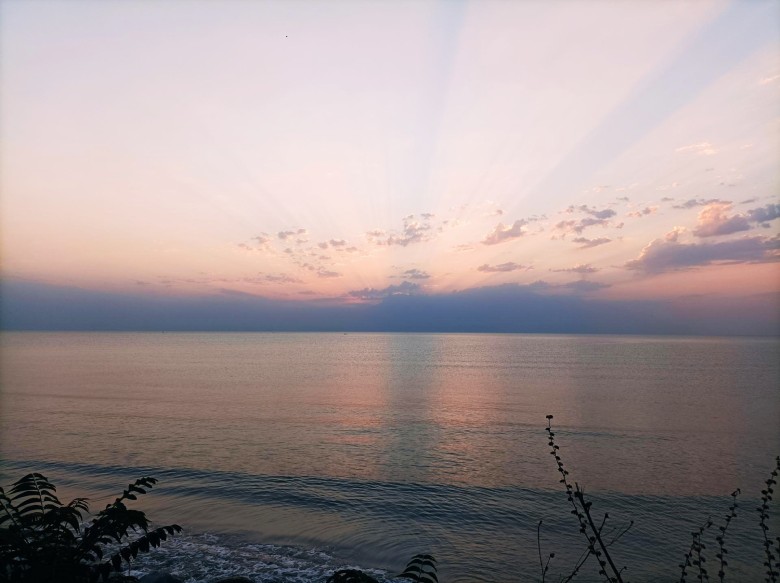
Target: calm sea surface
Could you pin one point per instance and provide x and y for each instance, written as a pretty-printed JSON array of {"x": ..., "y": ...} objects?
[{"x": 286, "y": 456}]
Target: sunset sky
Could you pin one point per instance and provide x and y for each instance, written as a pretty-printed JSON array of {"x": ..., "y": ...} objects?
[{"x": 326, "y": 155}]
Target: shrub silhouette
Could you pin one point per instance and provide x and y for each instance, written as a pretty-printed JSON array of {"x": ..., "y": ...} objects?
[
  {"x": 420, "y": 569},
  {"x": 43, "y": 540},
  {"x": 599, "y": 547}
]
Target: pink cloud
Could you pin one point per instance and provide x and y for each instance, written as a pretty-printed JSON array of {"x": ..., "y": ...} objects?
[
  {"x": 583, "y": 268},
  {"x": 586, "y": 243},
  {"x": 668, "y": 255},
  {"x": 503, "y": 233},
  {"x": 503, "y": 267},
  {"x": 714, "y": 221}
]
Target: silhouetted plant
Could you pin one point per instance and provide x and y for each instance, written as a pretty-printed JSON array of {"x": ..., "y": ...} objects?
[
  {"x": 695, "y": 555},
  {"x": 720, "y": 539},
  {"x": 543, "y": 566},
  {"x": 771, "y": 562},
  {"x": 43, "y": 540},
  {"x": 581, "y": 508},
  {"x": 420, "y": 569}
]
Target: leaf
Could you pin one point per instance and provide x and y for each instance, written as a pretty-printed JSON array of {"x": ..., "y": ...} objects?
[{"x": 421, "y": 569}]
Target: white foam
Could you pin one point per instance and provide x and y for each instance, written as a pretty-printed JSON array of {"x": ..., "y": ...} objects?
[{"x": 202, "y": 558}]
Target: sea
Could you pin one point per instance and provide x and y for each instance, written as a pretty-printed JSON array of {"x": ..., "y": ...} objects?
[{"x": 286, "y": 456}]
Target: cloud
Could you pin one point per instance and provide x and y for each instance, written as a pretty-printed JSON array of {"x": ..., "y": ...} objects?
[
  {"x": 586, "y": 243},
  {"x": 503, "y": 267},
  {"x": 324, "y": 273},
  {"x": 599, "y": 214},
  {"x": 578, "y": 227},
  {"x": 767, "y": 80},
  {"x": 415, "y": 274},
  {"x": 764, "y": 214},
  {"x": 503, "y": 233},
  {"x": 694, "y": 202},
  {"x": 284, "y": 235},
  {"x": 414, "y": 231},
  {"x": 404, "y": 288},
  {"x": 649, "y": 210},
  {"x": 597, "y": 218},
  {"x": 702, "y": 148},
  {"x": 583, "y": 268},
  {"x": 714, "y": 221},
  {"x": 262, "y": 243},
  {"x": 674, "y": 234},
  {"x": 274, "y": 278},
  {"x": 667, "y": 254},
  {"x": 337, "y": 243}
]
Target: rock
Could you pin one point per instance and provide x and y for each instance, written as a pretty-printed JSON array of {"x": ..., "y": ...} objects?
[
  {"x": 161, "y": 578},
  {"x": 233, "y": 580}
]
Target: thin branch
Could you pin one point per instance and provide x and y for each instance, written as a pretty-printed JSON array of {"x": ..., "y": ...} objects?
[{"x": 586, "y": 509}]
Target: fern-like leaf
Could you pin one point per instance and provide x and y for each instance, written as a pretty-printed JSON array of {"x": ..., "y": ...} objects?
[
  {"x": 141, "y": 544},
  {"x": 9, "y": 513},
  {"x": 30, "y": 496},
  {"x": 421, "y": 569}
]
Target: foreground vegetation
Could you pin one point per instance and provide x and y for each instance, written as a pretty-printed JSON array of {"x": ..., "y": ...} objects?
[
  {"x": 43, "y": 540},
  {"x": 600, "y": 537}
]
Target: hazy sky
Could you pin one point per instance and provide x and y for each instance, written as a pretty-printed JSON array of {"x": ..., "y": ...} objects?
[{"x": 619, "y": 154}]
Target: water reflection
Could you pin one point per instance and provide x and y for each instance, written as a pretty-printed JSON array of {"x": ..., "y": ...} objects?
[{"x": 422, "y": 408}]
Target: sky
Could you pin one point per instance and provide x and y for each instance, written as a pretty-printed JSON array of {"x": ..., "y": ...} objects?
[{"x": 588, "y": 166}]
